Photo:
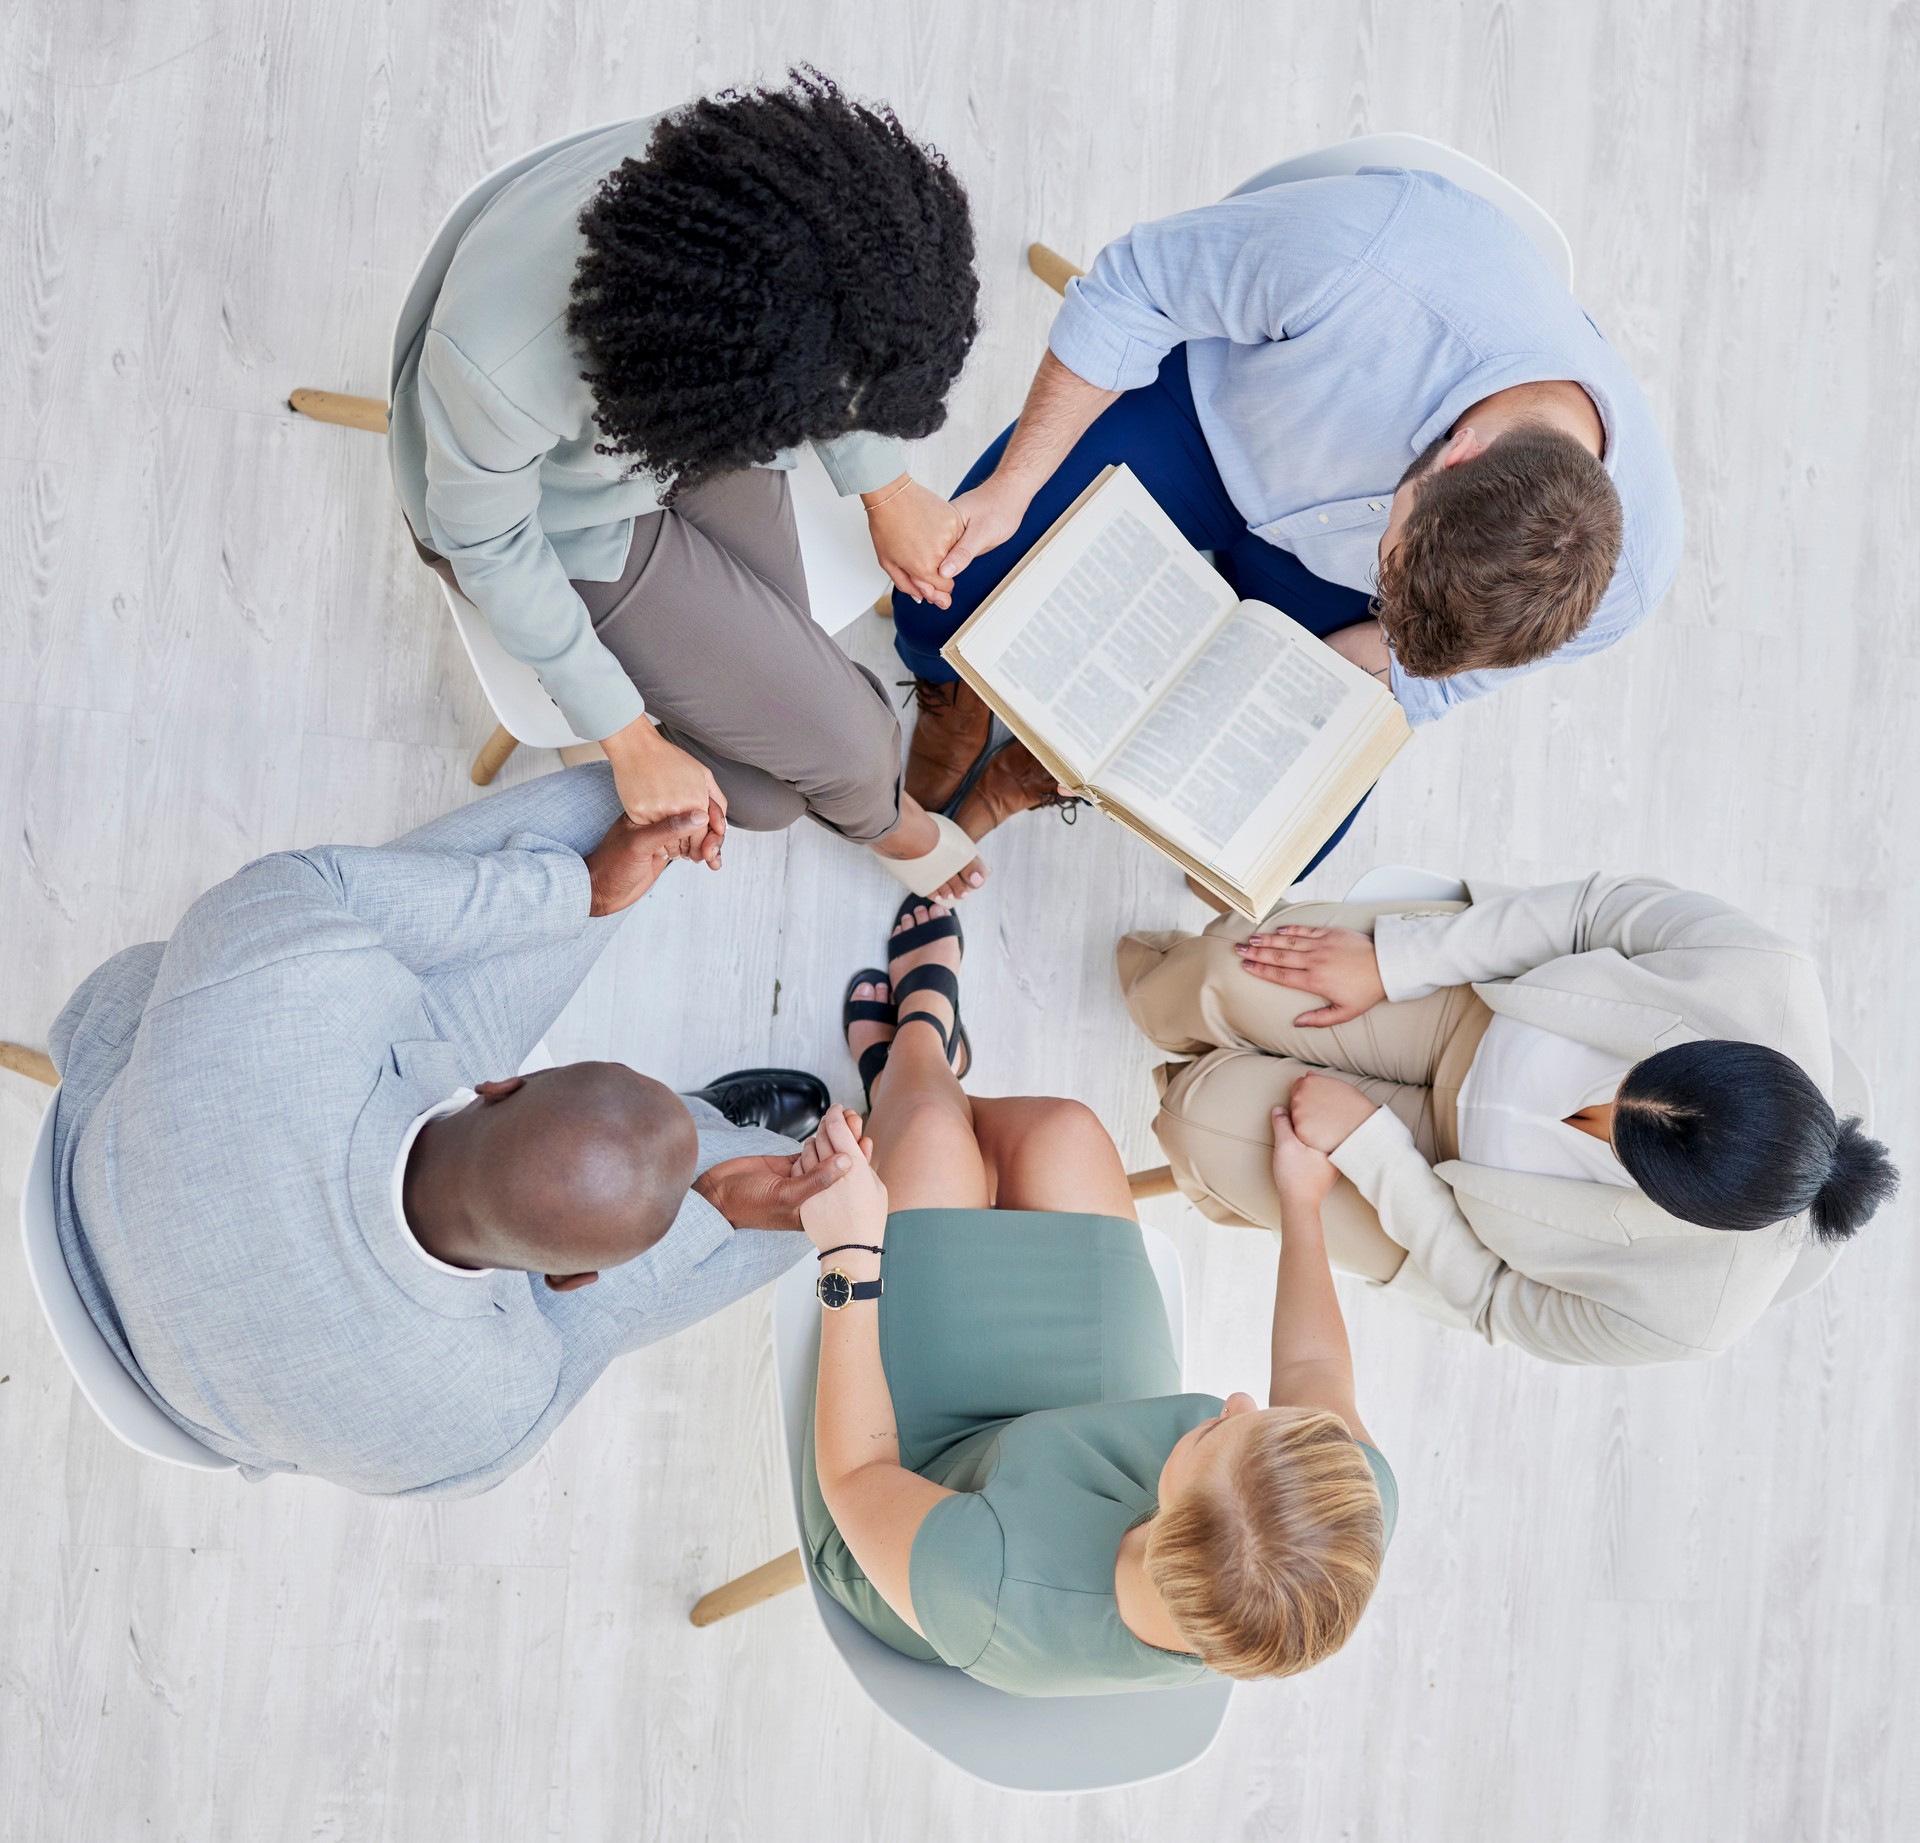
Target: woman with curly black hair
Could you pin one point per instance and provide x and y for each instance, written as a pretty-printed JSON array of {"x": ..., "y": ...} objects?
[{"x": 591, "y": 428}]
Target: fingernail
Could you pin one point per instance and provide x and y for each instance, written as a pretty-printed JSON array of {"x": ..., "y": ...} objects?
[{"x": 975, "y": 878}]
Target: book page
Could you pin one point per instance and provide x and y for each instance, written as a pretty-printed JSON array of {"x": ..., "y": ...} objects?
[
  {"x": 1098, "y": 624},
  {"x": 1241, "y": 738}
]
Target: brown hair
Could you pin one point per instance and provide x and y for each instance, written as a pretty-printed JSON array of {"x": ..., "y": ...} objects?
[
  {"x": 1503, "y": 558},
  {"x": 1267, "y": 1571}
]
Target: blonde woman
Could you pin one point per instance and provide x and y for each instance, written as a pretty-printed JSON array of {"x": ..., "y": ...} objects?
[{"x": 1004, "y": 1475}]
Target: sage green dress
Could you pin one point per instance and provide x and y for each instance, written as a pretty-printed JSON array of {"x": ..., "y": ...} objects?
[{"x": 1032, "y": 1372}]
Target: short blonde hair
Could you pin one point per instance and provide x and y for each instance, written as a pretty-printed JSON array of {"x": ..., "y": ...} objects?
[{"x": 1267, "y": 1570}]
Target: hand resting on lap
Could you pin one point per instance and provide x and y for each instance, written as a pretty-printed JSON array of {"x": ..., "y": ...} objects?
[{"x": 1338, "y": 964}]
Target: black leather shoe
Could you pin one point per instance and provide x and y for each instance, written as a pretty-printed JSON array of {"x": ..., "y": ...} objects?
[{"x": 786, "y": 1101}]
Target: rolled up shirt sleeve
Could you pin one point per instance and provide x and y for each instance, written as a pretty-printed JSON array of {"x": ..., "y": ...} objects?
[
  {"x": 861, "y": 462},
  {"x": 483, "y": 515},
  {"x": 1248, "y": 269}
]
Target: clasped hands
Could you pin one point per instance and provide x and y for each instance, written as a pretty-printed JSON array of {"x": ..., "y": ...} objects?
[{"x": 830, "y": 1188}]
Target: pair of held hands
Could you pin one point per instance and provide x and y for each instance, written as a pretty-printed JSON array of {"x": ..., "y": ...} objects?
[
  {"x": 1341, "y": 967},
  {"x": 830, "y": 1189}
]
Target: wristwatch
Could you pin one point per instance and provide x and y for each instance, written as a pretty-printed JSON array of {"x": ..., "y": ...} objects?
[{"x": 837, "y": 1291}]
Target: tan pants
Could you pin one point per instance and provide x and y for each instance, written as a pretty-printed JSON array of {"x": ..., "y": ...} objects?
[
  {"x": 1190, "y": 995},
  {"x": 711, "y": 621}
]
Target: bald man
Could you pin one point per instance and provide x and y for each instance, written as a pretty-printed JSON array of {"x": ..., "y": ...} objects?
[{"x": 315, "y": 1209}]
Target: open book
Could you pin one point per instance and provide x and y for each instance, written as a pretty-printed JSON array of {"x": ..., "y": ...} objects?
[{"x": 1222, "y": 732}]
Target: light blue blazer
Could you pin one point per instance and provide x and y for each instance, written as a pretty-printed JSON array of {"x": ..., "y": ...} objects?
[
  {"x": 232, "y": 1103},
  {"x": 492, "y": 435}
]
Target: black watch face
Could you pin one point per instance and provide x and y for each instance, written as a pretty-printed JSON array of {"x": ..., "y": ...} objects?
[{"x": 836, "y": 1290}]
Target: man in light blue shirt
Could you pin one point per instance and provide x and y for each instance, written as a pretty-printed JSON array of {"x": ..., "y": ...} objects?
[{"x": 1374, "y": 400}]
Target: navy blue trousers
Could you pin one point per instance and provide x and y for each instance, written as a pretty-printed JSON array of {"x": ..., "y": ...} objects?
[{"x": 1155, "y": 431}]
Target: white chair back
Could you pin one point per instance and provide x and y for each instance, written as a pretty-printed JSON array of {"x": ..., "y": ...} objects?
[
  {"x": 1402, "y": 883},
  {"x": 843, "y": 576},
  {"x": 120, "y": 1402},
  {"x": 1424, "y": 156},
  {"x": 1852, "y": 1093},
  {"x": 1026, "y": 1744}
]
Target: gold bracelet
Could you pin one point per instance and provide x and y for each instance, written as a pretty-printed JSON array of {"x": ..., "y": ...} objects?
[{"x": 895, "y": 494}]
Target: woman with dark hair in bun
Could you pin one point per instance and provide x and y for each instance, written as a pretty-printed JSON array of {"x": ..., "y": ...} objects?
[
  {"x": 590, "y": 427},
  {"x": 1601, "y": 1120}
]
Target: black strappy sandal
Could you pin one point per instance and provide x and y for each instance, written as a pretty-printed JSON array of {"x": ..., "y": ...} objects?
[
  {"x": 941, "y": 979},
  {"x": 873, "y": 1058}
]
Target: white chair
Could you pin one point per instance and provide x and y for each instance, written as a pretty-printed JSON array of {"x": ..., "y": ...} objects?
[
  {"x": 1025, "y": 1744},
  {"x": 125, "y": 1407},
  {"x": 1408, "y": 150},
  {"x": 843, "y": 576}
]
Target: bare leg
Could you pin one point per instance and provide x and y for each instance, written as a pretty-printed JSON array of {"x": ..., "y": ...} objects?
[{"x": 1043, "y": 1153}]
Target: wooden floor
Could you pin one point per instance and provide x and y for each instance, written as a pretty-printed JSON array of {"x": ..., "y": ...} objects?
[{"x": 1675, "y": 1604}]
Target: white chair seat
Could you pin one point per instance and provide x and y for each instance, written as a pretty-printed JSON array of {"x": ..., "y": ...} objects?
[{"x": 1027, "y": 1744}]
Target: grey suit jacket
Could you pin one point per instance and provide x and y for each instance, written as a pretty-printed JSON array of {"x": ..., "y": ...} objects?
[
  {"x": 232, "y": 1103},
  {"x": 1580, "y": 1272}
]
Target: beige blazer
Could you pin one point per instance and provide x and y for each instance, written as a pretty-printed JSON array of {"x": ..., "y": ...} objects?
[{"x": 1572, "y": 1271}]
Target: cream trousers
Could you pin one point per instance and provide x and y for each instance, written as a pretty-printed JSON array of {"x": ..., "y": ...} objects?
[{"x": 1240, "y": 1051}]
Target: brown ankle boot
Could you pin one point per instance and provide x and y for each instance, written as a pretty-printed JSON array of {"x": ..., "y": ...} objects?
[
  {"x": 949, "y": 738},
  {"x": 1014, "y": 781}
]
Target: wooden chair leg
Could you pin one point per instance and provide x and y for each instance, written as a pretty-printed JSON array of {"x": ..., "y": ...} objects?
[
  {"x": 766, "y": 1582},
  {"x": 368, "y": 413},
  {"x": 33, "y": 1062},
  {"x": 1051, "y": 267},
  {"x": 1155, "y": 1183},
  {"x": 493, "y": 755},
  {"x": 884, "y": 606}
]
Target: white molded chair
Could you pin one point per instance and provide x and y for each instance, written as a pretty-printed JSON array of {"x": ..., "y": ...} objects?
[
  {"x": 125, "y": 1407},
  {"x": 843, "y": 576},
  {"x": 1408, "y": 150},
  {"x": 1025, "y": 1744}
]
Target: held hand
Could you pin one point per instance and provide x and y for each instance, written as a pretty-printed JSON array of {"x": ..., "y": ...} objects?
[
  {"x": 765, "y": 1192},
  {"x": 655, "y": 779},
  {"x": 1300, "y": 1174},
  {"x": 1325, "y": 1111},
  {"x": 628, "y": 861},
  {"x": 1339, "y": 964},
  {"x": 989, "y": 515},
  {"x": 855, "y": 1207},
  {"x": 912, "y": 529}
]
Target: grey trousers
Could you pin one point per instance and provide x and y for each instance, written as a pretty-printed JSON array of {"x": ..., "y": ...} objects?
[{"x": 710, "y": 619}]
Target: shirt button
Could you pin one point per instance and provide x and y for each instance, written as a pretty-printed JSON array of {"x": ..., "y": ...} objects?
[
  {"x": 1374, "y": 505},
  {"x": 1323, "y": 518}
]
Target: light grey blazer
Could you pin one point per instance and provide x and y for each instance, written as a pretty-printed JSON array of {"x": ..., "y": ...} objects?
[
  {"x": 492, "y": 434},
  {"x": 1584, "y": 1272},
  {"x": 232, "y": 1103}
]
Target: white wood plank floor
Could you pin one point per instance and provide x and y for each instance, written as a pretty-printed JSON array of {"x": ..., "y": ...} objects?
[{"x": 1675, "y": 1604}]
